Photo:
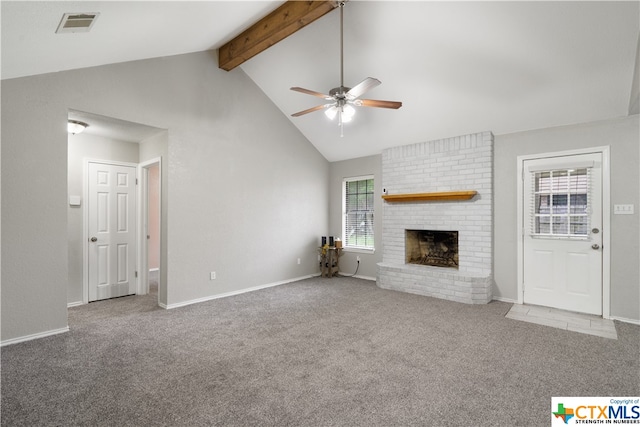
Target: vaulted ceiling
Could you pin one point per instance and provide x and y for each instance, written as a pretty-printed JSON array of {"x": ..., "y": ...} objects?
[{"x": 458, "y": 67}]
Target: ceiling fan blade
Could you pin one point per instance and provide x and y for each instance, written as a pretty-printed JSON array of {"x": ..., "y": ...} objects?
[
  {"x": 363, "y": 87},
  {"x": 312, "y": 92},
  {"x": 311, "y": 110},
  {"x": 378, "y": 103}
]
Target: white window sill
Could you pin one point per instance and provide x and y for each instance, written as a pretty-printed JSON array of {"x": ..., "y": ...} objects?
[{"x": 358, "y": 250}]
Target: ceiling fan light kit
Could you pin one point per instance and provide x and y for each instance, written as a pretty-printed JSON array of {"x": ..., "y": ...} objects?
[{"x": 343, "y": 99}]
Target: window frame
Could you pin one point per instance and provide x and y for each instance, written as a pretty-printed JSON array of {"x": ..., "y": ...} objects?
[{"x": 355, "y": 248}]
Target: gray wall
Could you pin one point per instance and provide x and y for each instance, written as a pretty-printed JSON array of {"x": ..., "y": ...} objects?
[
  {"x": 623, "y": 136},
  {"x": 371, "y": 165},
  {"x": 247, "y": 193},
  {"x": 83, "y": 146},
  {"x": 34, "y": 209}
]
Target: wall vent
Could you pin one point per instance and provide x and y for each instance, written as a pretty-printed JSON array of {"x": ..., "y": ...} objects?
[{"x": 77, "y": 22}]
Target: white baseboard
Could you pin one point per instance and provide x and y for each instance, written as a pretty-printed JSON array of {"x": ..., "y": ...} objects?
[
  {"x": 232, "y": 293},
  {"x": 503, "y": 299},
  {"x": 625, "y": 320},
  {"x": 34, "y": 336},
  {"x": 74, "y": 304}
]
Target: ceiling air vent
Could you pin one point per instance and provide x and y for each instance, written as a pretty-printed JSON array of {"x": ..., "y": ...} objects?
[{"x": 77, "y": 22}]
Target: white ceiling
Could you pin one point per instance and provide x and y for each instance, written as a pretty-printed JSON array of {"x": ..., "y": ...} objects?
[
  {"x": 124, "y": 31},
  {"x": 458, "y": 67}
]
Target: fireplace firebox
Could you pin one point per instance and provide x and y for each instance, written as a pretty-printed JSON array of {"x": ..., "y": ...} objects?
[{"x": 431, "y": 247}]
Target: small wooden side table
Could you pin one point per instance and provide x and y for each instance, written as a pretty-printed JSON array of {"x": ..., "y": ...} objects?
[{"x": 329, "y": 261}]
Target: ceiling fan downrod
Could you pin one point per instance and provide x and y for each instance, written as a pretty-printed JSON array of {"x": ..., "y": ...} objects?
[
  {"x": 341, "y": 101},
  {"x": 341, "y": 6}
]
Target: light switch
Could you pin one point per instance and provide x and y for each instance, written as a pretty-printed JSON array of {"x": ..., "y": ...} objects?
[
  {"x": 74, "y": 200},
  {"x": 623, "y": 209}
]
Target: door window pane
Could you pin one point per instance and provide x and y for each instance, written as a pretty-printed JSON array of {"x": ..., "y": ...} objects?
[
  {"x": 560, "y": 225},
  {"x": 543, "y": 182},
  {"x": 559, "y": 181},
  {"x": 543, "y": 225},
  {"x": 543, "y": 204},
  {"x": 579, "y": 203},
  {"x": 579, "y": 225},
  {"x": 560, "y": 203}
]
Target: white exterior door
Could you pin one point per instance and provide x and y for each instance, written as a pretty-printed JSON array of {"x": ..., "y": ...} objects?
[
  {"x": 112, "y": 230},
  {"x": 563, "y": 232}
]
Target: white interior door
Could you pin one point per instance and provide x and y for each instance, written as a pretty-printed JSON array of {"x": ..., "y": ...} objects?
[
  {"x": 563, "y": 232},
  {"x": 112, "y": 230}
]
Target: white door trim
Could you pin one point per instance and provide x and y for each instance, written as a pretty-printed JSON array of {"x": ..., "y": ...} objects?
[
  {"x": 143, "y": 199},
  {"x": 85, "y": 220},
  {"x": 606, "y": 220}
]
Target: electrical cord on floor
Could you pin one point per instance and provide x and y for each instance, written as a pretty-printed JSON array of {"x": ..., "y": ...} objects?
[{"x": 357, "y": 267}]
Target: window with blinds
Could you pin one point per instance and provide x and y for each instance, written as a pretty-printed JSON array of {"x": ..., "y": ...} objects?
[
  {"x": 357, "y": 222},
  {"x": 561, "y": 203}
]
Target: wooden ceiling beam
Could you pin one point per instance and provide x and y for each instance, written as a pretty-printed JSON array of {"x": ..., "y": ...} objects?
[{"x": 279, "y": 24}]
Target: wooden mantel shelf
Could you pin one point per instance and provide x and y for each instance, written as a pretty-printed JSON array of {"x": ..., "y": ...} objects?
[{"x": 430, "y": 197}]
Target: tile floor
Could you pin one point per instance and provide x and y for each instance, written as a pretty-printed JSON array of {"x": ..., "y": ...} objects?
[{"x": 577, "y": 322}]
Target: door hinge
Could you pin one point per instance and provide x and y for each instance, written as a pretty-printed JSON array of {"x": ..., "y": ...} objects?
[
  {"x": 136, "y": 181},
  {"x": 136, "y": 274}
]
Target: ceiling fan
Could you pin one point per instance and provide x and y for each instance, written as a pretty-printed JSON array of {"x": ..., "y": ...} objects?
[{"x": 343, "y": 99}]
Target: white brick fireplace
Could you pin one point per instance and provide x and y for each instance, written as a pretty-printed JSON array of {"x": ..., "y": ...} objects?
[{"x": 462, "y": 163}]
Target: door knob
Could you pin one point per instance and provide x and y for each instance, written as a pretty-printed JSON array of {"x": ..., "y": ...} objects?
[
  {"x": 94, "y": 239},
  {"x": 595, "y": 246}
]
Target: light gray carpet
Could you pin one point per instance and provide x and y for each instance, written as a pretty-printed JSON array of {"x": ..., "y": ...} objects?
[{"x": 319, "y": 352}]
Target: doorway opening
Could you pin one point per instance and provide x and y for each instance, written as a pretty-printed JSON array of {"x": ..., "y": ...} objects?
[
  {"x": 151, "y": 229},
  {"x": 108, "y": 140}
]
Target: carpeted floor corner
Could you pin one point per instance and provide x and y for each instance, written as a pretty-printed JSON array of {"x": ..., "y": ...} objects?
[{"x": 318, "y": 352}]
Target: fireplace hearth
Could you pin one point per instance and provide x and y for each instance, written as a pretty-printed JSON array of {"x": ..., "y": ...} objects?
[{"x": 432, "y": 247}]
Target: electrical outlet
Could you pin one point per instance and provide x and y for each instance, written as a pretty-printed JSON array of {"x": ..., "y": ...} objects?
[
  {"x": 358, "y": 258},
  {"x": 298, "y": 261},
  {"x": 212, "y": 275}
]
